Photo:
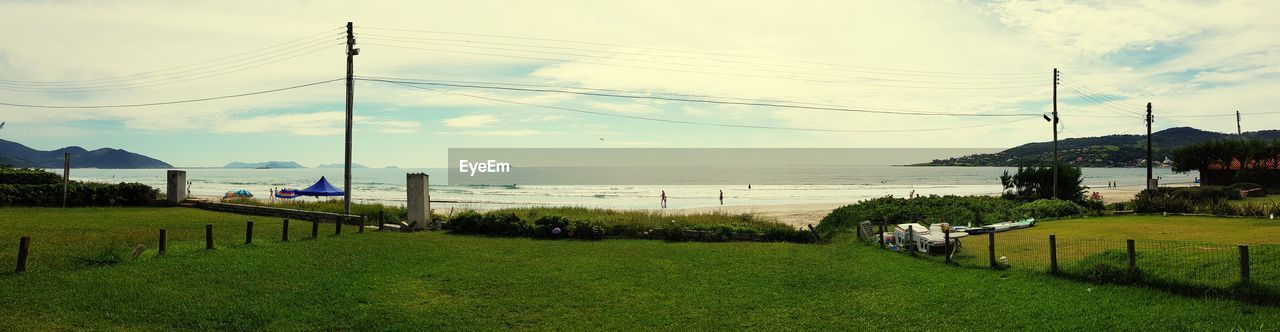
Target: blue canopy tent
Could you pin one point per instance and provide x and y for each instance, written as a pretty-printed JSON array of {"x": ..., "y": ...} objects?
[{"x": 321, "y": 188}]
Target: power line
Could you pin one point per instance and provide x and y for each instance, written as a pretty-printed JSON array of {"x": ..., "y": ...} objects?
[
  {"x": 303, "y": 40},
  {"x": 775, "y": 105},
  {"x": 704, "y": 123},
  {"x": 707, "y": 62},
  {"x": 179, "y": 79},
  {"x": 696, "y": 71},
  {"x": 699, "y": 52},
  {"x": 171, "y": 102},
  {"x": 634, "y": 92}
]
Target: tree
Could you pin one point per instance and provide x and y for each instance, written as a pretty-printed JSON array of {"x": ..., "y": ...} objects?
[{"x": 1034, "y": 182}]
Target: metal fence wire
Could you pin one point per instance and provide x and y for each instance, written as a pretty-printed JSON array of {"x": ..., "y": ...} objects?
[{"x": 1184, "y": 264}]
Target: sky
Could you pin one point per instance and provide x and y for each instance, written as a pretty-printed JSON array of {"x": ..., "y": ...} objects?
[{"x": 976, "y": 74}]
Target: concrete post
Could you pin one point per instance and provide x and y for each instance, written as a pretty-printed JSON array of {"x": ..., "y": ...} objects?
[
  {"x": 419, "y": 201},
  {"x": 177, "y": 187}
]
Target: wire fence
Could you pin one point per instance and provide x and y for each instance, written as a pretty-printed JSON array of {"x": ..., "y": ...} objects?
[{"x": 1251, "y": 271}]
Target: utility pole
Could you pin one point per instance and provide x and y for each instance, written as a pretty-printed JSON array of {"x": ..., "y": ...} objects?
[
  {"x": 1150, "y": 118},
  {"x": 66, "y": 176},
  {"x": 346, "y": 168},
  {"x": 1238, "y": 132},
  {"x": 1055, "y": 133}
]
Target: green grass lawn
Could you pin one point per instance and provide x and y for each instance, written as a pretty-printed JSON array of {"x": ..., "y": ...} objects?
[
  {"x": 1198, "y": 250},
  {"x": 432, "y": 280}
]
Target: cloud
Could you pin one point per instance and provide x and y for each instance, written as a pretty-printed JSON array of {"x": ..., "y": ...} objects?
[
  {"x": 470, "y": 121},
  {"x": 310, "y": 124},
  {"x": 498, "y": 133}
]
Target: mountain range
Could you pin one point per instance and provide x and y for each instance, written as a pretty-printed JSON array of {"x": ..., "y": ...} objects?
[
  {"x": 353, "y": 165},
  {"x": 264, "y": 164},
  {"x": 17, "y": 155},
  {"x": 1101, "y": 151}
]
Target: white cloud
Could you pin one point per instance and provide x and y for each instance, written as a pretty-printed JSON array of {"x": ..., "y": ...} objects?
[
  {"x": 309, "y": 124},
  {"x": 470, "y": 121}
]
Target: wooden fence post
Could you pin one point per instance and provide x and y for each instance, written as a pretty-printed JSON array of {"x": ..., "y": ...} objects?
[
  {"x": 248, "y": 233},
  {"x": 361, "y": 231},
  {"x": 1244, "y": 265},
  {"x": 315, "y": 229},
  {"x": 911, "y": 240},
  {"x": 382, "y": 221},
  {"x": 1133, "y": 256},
  {"x": 1053, "y": 254},
  {"x": 208, "y": 236},
  {"x": 881, "y": 235},
  {"x": 816, "y": 238},
  {"x": 164, "y": 242},
  {"x": 946, "y": 244},
  {"x": 24, "y": 248},
  {"x": 991, "y": 248},
  {"x": 284, "y": 235},
  {"x": 337, "y": 225}
]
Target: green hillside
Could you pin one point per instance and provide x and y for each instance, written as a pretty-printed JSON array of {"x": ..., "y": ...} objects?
[{"x": 1103, "y": 151}]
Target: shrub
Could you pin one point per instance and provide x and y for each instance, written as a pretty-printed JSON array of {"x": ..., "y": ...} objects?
[
  {"x": 504, "y": 223},
  {"x": 958, "y": 210},
  {"x": 466, "y": 222},
  {"x": 1107, "y": 267},
  {"x": 78, "y": 194},
  {"x": 1051, "y": 208},
  {"x": 545, "y": 226},
  {"x": 28, "y": 176},
  {"x": 1242, "y": 186},
  {"x": 589, "y": 229}
]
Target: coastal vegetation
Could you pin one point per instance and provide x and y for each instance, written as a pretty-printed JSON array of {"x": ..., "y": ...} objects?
[
  {"x": 1102, "y": 151},
  {"x": 435, "y": 280},
  {"x": 591, "y": 223},
  {"x": 35, "y": 187}
]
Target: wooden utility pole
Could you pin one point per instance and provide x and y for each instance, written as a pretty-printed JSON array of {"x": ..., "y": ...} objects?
[
  {"x": 1055, "y": 133},
  {"x": 1150, "y": 118},
  {"x": 1238, "y": 132},
  {"x": 346, "y": 175},
  {"x": 66, "y": 176}
]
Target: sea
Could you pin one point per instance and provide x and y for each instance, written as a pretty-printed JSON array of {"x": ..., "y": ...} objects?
[{"x": 831, "y": 184}]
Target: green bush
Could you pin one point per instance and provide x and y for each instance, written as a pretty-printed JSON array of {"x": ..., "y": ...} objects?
[
  {"x": 28, "y": 176},
  {"x": 588, "y": 229},
  {"x": 1051, "y": 208},
  {"x": 545, "y": 226},
  {"x": 1242, "y": 186},
  {"x": 1107, "y": 267},
  {"x": 585, "y": 223},
  {"x": 957, "y": 210},
  {"x": 78, "y": 194},
  {"x": 1206, "y": 199}
]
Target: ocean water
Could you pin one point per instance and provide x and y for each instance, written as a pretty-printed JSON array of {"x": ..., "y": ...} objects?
[{"x": 834, "y": 184}]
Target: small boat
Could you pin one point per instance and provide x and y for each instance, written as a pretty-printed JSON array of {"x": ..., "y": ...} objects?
[
  {"x": 1003, "y": 226},
  {"x": 925, "y": 239}
]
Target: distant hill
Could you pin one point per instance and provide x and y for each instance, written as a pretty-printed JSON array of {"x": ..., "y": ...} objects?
[
  {"x": 265, "y": 164},
  {"x": 353, "y": 165},
  {"x": 18, "y": 155},
  {"x": 1103, "y": 151}
]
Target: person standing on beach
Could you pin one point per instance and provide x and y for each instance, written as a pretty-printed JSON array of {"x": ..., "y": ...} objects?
[
  {"x": 664, "y": 199},
  {"x": 721, "y": 197}
]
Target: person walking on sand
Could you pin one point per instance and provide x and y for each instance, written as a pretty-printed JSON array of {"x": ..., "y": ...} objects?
[
  {"x": 722, "y": 197},
  {"x": 664, "y": 199}
]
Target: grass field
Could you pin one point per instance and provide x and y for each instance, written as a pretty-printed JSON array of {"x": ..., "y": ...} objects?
[
  {"x": 432, "y": 280},
  {"x": 1199, "y": 251}
]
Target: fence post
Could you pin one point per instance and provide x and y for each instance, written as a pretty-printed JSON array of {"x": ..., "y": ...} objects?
[
  {"x": 284, "y": 235},
  {"x": 361, "y": 230},
  {"x": 24, "y": 248},
  {"x": 1133, "y": 256},
  {"x": 1244, "y": 265},
  {"x": 881, "y": 235},
  {"x": 315, "y": 229},
  {"x": 816, "y": 238},
  {"x": 911, "y": 240},
  {"x": 946, "y": 243},
  {"x": 382, "y": 221},
  {"x": 337, "y": 225},
  {"x": 164, "y": 241},
  {"x": 1053, "y": 254},
  {"x": 991, "y": 248},
  {"x": 248, "y": 233},
  {"x": 208, "y": 236}
]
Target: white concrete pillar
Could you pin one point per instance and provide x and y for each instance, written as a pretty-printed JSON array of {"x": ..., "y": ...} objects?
[
  {"x": 419, "y": 200},
  {"x": 177, "y": 187}
]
